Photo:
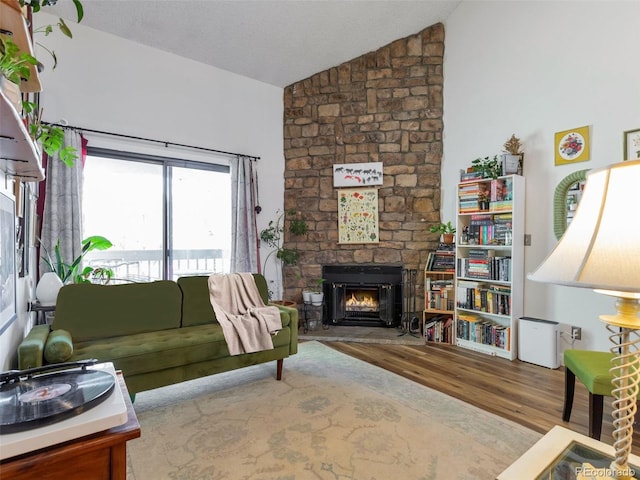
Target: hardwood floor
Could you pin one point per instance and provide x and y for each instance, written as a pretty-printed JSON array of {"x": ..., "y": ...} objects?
[{"x": 527, "y": 394}]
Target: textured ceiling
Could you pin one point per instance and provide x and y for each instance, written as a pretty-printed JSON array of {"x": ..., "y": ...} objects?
[{"x": 274, "y": 41}]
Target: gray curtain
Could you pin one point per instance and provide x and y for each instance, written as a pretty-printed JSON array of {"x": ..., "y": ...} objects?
[
  {"x": 62, "y": 216},
  {"x": 244, "y": 236}
]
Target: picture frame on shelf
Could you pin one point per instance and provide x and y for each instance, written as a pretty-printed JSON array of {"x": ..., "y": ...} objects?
[{"x": 631, "y": 141}]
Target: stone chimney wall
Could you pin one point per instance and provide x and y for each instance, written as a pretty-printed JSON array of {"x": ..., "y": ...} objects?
[{"x": 385, "y": 106}]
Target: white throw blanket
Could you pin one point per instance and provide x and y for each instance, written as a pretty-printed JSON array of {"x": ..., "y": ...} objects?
[{"x": 247, "y": 324}]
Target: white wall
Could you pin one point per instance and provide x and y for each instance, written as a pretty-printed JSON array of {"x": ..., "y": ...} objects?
[{"x": 533, "y": 69}]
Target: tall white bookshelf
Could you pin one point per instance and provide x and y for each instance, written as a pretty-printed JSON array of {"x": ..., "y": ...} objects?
[{"x": 489, "y": 279}]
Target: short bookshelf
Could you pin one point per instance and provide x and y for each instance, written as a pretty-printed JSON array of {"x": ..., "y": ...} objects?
[{"x": 439, "y": 297}]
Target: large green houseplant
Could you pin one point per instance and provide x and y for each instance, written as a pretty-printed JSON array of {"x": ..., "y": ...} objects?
[{"x": 70, "y": 272}]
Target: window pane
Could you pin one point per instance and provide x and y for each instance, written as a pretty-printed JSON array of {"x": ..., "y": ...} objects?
[
  {"x": 123, "y": 201},
  {"x": 200, "y": 222}
]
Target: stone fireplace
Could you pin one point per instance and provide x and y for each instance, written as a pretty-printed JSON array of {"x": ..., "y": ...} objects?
[{"x": 385, "y": 106}]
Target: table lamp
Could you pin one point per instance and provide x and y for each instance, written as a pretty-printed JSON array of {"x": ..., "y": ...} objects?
[{"x": 601, "y": 250}]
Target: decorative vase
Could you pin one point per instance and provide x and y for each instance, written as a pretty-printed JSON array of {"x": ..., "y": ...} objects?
[{"x": 47, "y": 289}]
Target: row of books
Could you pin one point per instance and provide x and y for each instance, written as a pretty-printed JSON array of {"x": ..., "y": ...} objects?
[
  {"x": 486, "y": 229},
  {"x": 439, "y": 329},
  {"x": 439, "y": 297},
  {"x": 490, "y": 268},
  {"x": 484, "y": 331},
  {"x": 494, "y": 195},
  {"x": 441, "y": 261},
  {"x": 495, "y": 299}
]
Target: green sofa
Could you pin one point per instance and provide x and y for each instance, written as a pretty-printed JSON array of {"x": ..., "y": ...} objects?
[{"x": 157, "y": 333}]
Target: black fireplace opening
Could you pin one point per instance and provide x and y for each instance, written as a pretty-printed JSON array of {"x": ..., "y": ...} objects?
[{"x": 365, "y": 295}]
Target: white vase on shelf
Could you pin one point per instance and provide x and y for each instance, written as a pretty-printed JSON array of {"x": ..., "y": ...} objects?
[{"x": 47, "y": 289}]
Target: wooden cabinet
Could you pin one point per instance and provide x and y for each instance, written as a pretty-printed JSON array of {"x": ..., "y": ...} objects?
[
  {"x": 490, "y": 264},
  {"x": 102, "y": 455}
]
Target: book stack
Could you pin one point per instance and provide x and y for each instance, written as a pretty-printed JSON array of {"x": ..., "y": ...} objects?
[
  {"x": 439, "y": 294},
  {"x": 502, "y": 225},
  {"x": 439, "y": 329},
  {"x": 501, "y": 195},
  {"x": 466, "y": 176},
  {"x": 468, "y": 197},
  {"x": 484, "y": 265},
  {"x": 441, "y": 261},
  {"x": 490, "y": 229}
]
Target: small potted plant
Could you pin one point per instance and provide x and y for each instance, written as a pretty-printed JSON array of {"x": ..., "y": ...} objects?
[
  {"x": 489, "y": 167},
  {"x": 513, "y": 158},
  {"x": 317, "y": 295},
  {"x": 447, "y": 230}
]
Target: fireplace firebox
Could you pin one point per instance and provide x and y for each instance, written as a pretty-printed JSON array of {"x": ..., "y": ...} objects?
[{"x": 365, "y": 295}]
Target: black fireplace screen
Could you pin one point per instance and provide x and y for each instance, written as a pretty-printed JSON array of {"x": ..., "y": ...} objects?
[{"x": 363, "y": 295}]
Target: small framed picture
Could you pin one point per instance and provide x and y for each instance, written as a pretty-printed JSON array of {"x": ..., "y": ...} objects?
[
  {"x": 572, "y": 146},
  {"x": 632, "y": 144}
]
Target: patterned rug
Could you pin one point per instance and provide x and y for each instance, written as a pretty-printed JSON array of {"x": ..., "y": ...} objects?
[{"x": 332, "y": 417}]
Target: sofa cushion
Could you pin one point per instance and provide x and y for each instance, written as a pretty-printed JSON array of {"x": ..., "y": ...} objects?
[
  {"x": 156, "y": 351},
  {"x": 59, "y": 347},
  {"x": 196, "y": 306},
  {"x": 90, "y": 311},
  {"x": 196, "y": 303}
]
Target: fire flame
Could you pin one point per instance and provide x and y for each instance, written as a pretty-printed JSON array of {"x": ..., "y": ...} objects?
[{"x": 366, "y": 301}]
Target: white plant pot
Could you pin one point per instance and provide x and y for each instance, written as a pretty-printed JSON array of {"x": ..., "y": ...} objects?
[
  {"x": 306, "y": 296},
  {"x": 317, "y": 299},
  {"x": 48, "y": 288}
]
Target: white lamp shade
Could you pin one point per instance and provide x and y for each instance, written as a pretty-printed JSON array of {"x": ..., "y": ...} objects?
[
  {"x": 601, "y": 247},
  {"x": 47, "y": 289}
]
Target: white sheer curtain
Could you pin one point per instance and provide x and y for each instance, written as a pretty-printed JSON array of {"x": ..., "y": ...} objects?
[
  {"x": 244, "y": 231},
  {"x": 62, "y": 215}
]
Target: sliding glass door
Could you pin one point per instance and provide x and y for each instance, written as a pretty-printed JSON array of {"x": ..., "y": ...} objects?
[{"x": 165, "y": 218}]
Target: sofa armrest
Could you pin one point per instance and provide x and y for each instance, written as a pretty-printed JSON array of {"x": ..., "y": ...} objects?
[
  {"x": 292, "y": 313},
  {"x": 31, "y": 349}
]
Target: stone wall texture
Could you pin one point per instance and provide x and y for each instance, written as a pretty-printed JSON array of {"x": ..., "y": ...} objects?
[{"x": 385, "y": 106}]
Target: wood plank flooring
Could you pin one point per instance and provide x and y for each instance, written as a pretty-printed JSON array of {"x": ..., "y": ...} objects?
[{"x": 527, "y": 394}]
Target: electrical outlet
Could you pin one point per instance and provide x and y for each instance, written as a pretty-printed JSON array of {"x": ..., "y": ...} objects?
[{"x": 576, "y": 333}]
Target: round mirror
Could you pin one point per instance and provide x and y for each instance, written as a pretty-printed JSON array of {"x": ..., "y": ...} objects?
[{"x": 565, "y": 200}]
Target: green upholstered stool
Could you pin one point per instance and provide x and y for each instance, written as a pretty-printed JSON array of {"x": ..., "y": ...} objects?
[{"x": 592, "y": 369}]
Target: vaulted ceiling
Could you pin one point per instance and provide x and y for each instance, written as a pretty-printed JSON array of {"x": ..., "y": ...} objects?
[{"x": 274, "y": 41}]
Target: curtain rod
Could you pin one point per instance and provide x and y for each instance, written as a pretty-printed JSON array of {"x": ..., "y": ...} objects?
[{"x": 166, "y": 144}]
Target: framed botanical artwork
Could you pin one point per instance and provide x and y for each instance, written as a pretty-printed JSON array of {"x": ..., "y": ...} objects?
[
  {"x": 632, "y": 144},
  {"x": 358, "y": 215},
  {"x": 572, "y": 146}
]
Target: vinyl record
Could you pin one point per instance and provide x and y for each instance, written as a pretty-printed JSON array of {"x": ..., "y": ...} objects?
[{"x": 46, "y": 399}]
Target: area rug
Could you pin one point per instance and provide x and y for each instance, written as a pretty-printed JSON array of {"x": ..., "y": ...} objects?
[{"x": 331, "y": 417}]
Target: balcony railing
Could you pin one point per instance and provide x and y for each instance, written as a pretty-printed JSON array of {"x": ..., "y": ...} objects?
[{"x": 147, "y": 265}]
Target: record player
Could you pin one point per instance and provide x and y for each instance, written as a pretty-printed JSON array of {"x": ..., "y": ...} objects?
[{"x": 53, "y": 404}]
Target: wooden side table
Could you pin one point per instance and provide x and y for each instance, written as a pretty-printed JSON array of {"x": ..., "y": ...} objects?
[
  {"x": 99, "y": 456},
  {"x": 41, "y": 311}
]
